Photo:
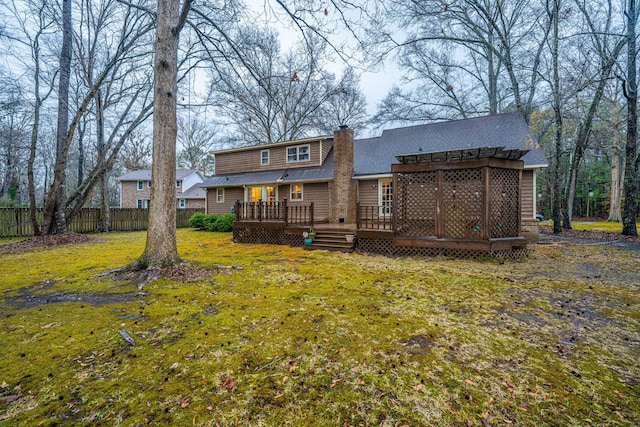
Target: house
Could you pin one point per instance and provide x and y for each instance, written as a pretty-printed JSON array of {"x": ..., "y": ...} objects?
[
  {"x": 135, "y": 189},
  {"x": 351, "y": 182}
]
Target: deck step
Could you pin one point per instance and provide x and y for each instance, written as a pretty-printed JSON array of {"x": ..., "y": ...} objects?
[{"x": 331, "y": 240}]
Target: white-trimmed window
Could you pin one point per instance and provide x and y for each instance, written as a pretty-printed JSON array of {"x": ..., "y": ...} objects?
[
  {"x": 219, "y": 195},
  {"x": 264, "y": 158},
  {"x": 182, "y": 203},
  {"x": 148, "y": 184},
  {"x": 385, "y": 196},
  {"x": 296, "y": 192},
  {"x": 298, "y": 153},
  {"x": 140, "y": 185},
  {"x": 142, "y": 203}
]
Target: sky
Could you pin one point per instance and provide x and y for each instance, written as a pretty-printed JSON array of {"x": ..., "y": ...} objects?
[{"x": 374, "y": 84}]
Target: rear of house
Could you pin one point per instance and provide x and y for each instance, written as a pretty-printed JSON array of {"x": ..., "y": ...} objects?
[{"x": 345, "y": 178}]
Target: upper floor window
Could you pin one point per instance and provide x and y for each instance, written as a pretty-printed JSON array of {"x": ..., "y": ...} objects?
[
  {"x": 264, "y": 157},
  {"x": 178, "y": 184},
  {"x": 140, "y": 184},
  {"x": 219, "y": 195},
  {"x": 148, "y": 184},
  {"x": 299, "y": 153}
]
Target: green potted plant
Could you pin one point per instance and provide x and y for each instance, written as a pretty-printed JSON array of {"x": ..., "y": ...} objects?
[{"x": 312, "y": 233}]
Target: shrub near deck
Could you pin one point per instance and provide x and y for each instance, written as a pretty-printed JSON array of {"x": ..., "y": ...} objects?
[{"x": 271, "y": 335}]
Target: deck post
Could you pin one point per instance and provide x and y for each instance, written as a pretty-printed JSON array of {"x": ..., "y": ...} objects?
[
  {"x": 286, "y": 211},
  {"x": 237, "y": 209},
  {"x": 357, "y": 214},
  {"x": 311, "y": 214}
]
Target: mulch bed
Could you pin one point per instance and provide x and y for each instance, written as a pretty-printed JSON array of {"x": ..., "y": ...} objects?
[{"x": 48, "y": 240}]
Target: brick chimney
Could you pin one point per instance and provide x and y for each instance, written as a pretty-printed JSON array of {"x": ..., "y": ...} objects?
[{"x": 343, "y": 190}]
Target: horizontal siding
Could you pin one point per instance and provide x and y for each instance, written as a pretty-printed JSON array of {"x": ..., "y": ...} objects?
[
  {"x": 368, "y": 192},
  {"x": 230, "y": 197},
  {"x": 527, "y": 194},
  {"x": 249, "y": 161},
  {"x": 318, "y": 193}
]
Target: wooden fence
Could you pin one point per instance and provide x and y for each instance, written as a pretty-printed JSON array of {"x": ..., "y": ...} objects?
[{"x": 14, "y": 222}]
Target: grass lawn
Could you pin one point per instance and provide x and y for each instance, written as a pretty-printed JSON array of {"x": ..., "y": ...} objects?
[{"x": 271, "y": 336}]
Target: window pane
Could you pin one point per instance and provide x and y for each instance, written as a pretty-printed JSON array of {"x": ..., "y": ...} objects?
[{"x": 303, "y": 153}]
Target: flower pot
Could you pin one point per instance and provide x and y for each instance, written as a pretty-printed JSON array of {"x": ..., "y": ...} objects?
[
  {"x": 350, "y": 238},
  {"x": 308, "y": 241}
]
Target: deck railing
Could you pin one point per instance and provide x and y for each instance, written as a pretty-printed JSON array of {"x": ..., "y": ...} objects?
[
  {"x": 274, "y": 211},
  {"x": 374, "y": 217}
]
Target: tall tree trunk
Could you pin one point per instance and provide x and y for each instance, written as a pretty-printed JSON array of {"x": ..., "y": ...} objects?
[
  {"x": 54, "y": 215},
  {"x": 161, "y": 247},
  {"x": 617, "y": 168},
  {"x": 557, "y": 200},
  {"x": 104, "y": 179},
  {"x": 630, "y": 211}
]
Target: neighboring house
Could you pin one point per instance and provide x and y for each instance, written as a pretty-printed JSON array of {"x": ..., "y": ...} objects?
[
  {"x": 135, "y": 189},
  {"x": 466, "y": 186}
]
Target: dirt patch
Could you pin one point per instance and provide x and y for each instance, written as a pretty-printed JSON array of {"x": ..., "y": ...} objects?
[
  {"x": 589, "y": 237},
  {"x": 48, "y": 240},
  {"x": 25, "y": 298}
]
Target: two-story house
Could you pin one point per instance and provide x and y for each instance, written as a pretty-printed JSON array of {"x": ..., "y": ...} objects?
[
  {"x": 135, "y": 189},
  {"x": 336, "y": 172}
]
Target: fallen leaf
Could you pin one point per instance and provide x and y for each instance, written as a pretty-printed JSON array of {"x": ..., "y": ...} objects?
[
  {"x": 418, "y": 387},
  {"x": 4, "y": 384},
  {"x": 227, "y": 383},
  {"x": 48, "y": 325},
  {"x": 469, "y": 382}
]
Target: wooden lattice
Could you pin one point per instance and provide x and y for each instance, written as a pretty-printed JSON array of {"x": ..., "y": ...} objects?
[
  {"x": 258, "y": 235},
  {"x": 416, "y": 204},
  {"x": 504, "y": 203},
  {"x": 388, "y": 248},
  {"x": 462, "y": 203}
]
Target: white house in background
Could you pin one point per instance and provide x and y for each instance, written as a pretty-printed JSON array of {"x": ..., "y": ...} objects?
[{"x": 135, "y": 189}]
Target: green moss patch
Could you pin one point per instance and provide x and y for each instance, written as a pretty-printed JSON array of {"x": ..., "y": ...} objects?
[{"x": 272, "y": 335}]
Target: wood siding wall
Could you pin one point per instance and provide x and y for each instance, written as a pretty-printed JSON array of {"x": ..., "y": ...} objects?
[
  {"x": 318, "y": 193},
  {"x": 368, "y": 192},
  {"x": 527, "y": 194},
  {"x": 249, "y": 161},
  {"x": 230, "y": 197}
]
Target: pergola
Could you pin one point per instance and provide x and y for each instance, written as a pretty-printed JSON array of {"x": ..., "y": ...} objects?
[{"x": 460, "y": 199}]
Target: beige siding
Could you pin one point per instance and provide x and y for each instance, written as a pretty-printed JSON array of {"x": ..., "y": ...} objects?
[
  {"x": 230, "y": 197},
  {"x": 368, "y": 192},
  {"x": 527, "y": 194},
  {"x": 317, "y": 193},
  {"x": 249, "y": 161},
  {"x": 326, "y": 147}
]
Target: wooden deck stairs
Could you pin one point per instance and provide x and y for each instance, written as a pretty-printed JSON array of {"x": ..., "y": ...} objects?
[{"x": 331, "y": 240}]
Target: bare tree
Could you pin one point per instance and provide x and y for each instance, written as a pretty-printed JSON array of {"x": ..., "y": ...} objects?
[
  {"x": 196, "y": 139},
  {"x": 632, "y": 160},
  {"x": 273, "y": 97},
  {"x": 464, "y": 58}
]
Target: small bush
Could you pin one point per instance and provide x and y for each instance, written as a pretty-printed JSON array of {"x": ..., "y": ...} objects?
[
  {"x": 212, "y": 222},
  {"x": 197, "y": 221}
]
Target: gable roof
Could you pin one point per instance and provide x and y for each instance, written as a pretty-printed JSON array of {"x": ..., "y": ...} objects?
[
  {"x": 194, "y": 192},
  {"x": 145, "y": 174},
  {"x": 373, "y": 156}
]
